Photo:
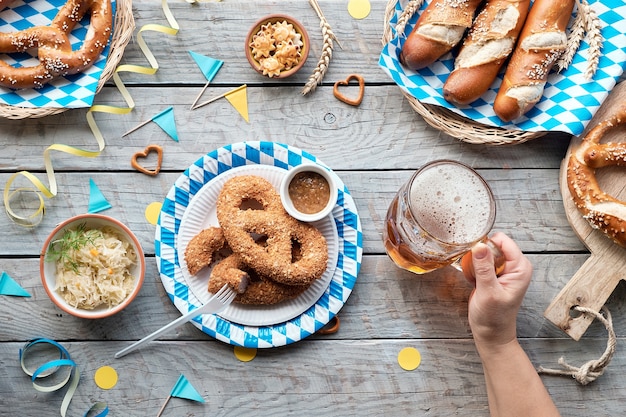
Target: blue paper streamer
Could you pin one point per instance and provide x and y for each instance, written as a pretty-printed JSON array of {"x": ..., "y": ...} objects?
[{"x": 51, "y": 367}]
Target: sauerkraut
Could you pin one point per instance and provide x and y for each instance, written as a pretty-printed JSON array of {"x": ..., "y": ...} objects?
[{"x": 93, "y": 267}]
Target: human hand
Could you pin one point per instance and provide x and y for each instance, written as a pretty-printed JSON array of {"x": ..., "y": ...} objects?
[{"x": 495, "y": 301}]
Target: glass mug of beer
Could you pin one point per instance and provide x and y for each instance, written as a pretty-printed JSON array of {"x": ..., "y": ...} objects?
[{"x": 437, "y": 216}]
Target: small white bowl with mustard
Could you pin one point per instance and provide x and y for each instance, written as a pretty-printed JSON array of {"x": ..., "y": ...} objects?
[{"x": 308, "y": 192}]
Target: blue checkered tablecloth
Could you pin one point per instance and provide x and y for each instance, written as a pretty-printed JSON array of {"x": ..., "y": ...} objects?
[
  {"x": 168, "y": 258},
  {"x": 73, "y": 91},
  {"x": 569, "y": 101}
]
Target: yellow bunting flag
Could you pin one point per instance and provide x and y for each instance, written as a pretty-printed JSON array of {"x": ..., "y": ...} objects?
[
  {"x": 238, "y": 98},
  {"x": 35, "y": 215}
]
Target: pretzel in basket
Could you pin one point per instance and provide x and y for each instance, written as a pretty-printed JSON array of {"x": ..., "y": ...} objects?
[
  {"x": 54, "y": 49},
  {"x": 601, "y": 210}
]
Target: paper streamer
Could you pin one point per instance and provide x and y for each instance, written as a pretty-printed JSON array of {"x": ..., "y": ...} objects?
[
  {"x": 40, "y": 190},
  {"x": 48, "y": 368}
]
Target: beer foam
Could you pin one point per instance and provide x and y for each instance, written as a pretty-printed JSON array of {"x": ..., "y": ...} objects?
[{"x": 452, "y": 203}]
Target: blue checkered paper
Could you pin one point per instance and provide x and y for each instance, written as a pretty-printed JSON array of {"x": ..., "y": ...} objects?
[
  {"x": 350, "y": 242},
  {"x": 569, "y": 101},
  {"x": 73, "y": 91}
]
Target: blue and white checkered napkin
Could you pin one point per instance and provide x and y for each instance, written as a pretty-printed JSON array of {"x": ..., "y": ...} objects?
[
  {"x": 350, "y": 239},
  {"x": 569, "y": 101},
  {"x": 73, "y": 91}
]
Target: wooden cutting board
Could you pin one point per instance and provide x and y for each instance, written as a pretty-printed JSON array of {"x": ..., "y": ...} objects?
[{"x": 594, "y": 282}]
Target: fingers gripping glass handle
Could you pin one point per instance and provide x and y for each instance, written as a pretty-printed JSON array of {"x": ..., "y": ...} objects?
[{"x": 464, "y": 263}]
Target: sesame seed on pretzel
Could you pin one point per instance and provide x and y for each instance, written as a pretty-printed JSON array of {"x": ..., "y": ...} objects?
[
  {"x": 602, "y": 211},
  {"x": 54, "y": 49}
]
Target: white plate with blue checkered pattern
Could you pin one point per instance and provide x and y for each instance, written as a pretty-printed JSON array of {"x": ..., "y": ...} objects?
[
  {"x": 569, "y": 100},
  {"x": 201, "y": 214},
  {"x": 170, "y": 259}
]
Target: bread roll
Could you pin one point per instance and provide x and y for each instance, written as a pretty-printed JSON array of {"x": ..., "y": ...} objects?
[
  {"x": 542, "y": 41},
  {"x": 440, "y": 28},
  {"x": 485, "y": 49}
]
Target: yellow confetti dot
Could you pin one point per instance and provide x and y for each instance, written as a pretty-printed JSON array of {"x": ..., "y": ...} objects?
[
  {"x": 359, "y": 9},
  {"x": 152, "y": 212},
  {"x": 245, "y": 354},
  {"x": 105, "y": 377},
  {"x": 409, "y": 358}
]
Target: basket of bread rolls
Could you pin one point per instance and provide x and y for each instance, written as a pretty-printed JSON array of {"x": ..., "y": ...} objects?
[
  {"x": 103, "y": 22},
  {"x": 512, "y": 44}
]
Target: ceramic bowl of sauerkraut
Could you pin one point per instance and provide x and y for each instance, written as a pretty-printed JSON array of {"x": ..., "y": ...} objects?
[{"x": 92, "y": 266}]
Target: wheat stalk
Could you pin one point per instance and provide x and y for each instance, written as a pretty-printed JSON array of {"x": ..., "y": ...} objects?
[
  {"x": 327, "y": 51},
  {"x": 585, "y": 24},
  {"x": 407, "y": 13},
  {"x": 576, "y": 35},
  {"x": 594, "y": 35}
]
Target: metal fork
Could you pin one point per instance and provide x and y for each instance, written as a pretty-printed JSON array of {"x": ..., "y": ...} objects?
[{"x": 217, "y": 303}]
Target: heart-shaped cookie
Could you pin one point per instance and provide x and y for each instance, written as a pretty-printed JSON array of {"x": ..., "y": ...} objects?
[
  {"x": 342, "y": 97},
  {"x": 144, "y": 154}
]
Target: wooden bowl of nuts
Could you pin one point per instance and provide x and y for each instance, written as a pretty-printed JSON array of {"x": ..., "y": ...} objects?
[{"x": 277, "y": 46}]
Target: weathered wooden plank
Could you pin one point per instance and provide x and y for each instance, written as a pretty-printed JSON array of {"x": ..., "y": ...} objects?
[
  {"x": 386, "y": 303},
  {"x": 384, "y": 132},
  {"x": 305, "y": 380},
  {"x": 219, "y": 30},
  {"x": 529, "y": 206},
  {"x": 373, "y": 148}
]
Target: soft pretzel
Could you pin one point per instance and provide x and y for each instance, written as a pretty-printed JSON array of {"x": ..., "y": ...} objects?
[
  {"x": 601, "y": 210},
  {"x": 54, "y": 49},
  {"x": 274, "y": 259},
  {"x": 200, "y": 249},
  {"x": 251, "y": 287}
]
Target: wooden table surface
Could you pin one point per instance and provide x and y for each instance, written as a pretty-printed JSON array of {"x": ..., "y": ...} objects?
[{"x": 374, "y": 148}]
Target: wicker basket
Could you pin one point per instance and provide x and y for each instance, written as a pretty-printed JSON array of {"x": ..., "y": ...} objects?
[
  {"x": 449, "y": 122},
  {"x": 124, "y": 27}
]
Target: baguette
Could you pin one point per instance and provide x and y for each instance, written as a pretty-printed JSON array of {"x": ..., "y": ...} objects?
[
  {"x": 440, "y": 28},
  {"x": 487, "y": 46},
  {"x": 542, "y": 41}
]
